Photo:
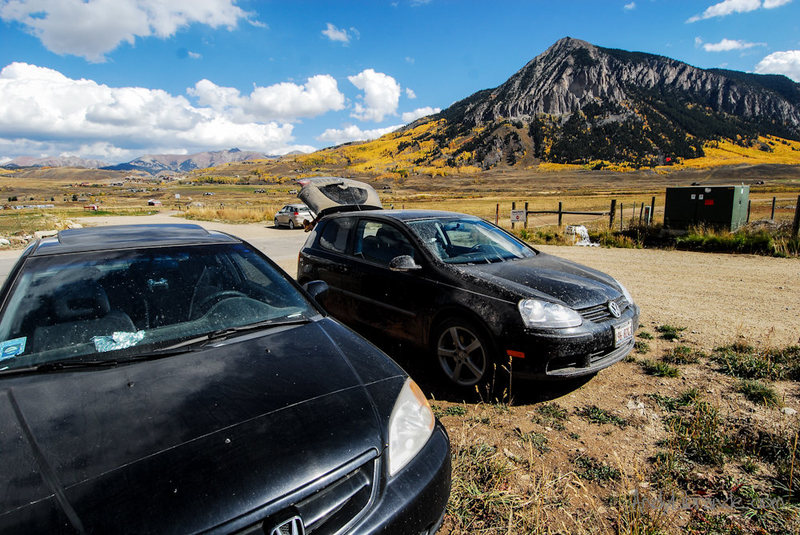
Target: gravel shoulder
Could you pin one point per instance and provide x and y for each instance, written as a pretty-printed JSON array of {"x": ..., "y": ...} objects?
[{"x": 717, "y": 297}]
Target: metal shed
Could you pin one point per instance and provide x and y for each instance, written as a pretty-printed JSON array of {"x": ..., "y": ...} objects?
[{"x": 719, "y": 207}]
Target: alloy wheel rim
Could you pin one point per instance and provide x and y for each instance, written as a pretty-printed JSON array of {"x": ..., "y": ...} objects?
[{"x": 461, "y": 356}]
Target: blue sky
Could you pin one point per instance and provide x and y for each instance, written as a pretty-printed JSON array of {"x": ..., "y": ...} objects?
[{"x": 115, "y": 79}]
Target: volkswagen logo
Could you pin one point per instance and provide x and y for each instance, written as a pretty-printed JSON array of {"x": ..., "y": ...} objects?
[
  {"x": 293, "y": 526},
  {"x": 613, "y": 307}
]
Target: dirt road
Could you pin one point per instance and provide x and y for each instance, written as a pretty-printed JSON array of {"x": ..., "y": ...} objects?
[{"x": 715, "y": 296}]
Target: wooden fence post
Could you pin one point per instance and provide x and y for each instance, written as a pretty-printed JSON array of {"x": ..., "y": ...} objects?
[
  {"x": 796, "y": 224},
  {"x": 611, "y": 212},
  {"x": 497, "y": 214},
  {"x": 652, "y": 210},
  {"x": 513, "y": 207},
  {"x": 525, "y": 223},
  {"x": 749, "y": 204},
  {"x": 621, "y": 216},
  {"x": 560, "y": 214},
  {"x": 641, "y": 213},
  {"x": 772, "y": 215}
]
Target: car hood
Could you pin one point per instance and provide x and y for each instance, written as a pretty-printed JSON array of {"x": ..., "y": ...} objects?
[
  {"x": 548, "y": 277},
  {"x": 325, "y": 195},
  {"x": 183, "y": 443}
]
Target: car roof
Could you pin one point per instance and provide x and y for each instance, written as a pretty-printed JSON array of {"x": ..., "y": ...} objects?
[
  {"x": 115, "y": 237},
  {"x": 407, "y": 215}
]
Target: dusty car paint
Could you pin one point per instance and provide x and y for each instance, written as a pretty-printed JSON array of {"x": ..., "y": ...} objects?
[
  {"x": 231, "y": 435},
  {"x": 409, "y": 305}
]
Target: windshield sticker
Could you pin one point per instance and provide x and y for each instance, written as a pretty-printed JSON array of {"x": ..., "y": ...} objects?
[
  {"x": 11, "y": 348},
  {"x": 118, "y": 340}
]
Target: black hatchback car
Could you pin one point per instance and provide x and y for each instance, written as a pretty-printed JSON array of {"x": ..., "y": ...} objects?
[
  {"x": 464, "y": 290},
  {"x": 166, "y": 379}
]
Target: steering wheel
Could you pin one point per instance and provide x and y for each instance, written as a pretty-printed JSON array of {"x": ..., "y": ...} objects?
[
  {"x": 212, "y": 299},
  {"x": 478, "y": 247}
]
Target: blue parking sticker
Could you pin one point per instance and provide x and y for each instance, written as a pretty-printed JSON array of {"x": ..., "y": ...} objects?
[{"x": 11, "y": 348}]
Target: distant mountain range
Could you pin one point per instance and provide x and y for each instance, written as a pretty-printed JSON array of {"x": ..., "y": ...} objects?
[
  {"x": 577, "y": 103},
  {"x": 55, "y": 161},
  {"x": 151, "y": 163}
]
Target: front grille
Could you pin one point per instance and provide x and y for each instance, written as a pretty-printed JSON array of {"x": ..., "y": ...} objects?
[
  {"x": 566, "y": 366},
  {"x": 332, "y": 507},
  {"x": 600, "y": 313}
]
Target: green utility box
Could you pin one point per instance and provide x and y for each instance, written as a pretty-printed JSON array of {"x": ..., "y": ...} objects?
[{"x": 719, "y": 207}]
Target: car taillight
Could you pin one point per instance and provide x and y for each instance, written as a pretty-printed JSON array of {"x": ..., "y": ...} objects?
[{"x": 296, "y": 212}]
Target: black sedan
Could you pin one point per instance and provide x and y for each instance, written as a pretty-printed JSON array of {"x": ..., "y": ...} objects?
[
  {"x": 166, "y": 379},
  {"x": 475, "y": 297}
]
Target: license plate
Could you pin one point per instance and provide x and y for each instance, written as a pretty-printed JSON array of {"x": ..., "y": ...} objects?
[{"x": 623, "y": 333}]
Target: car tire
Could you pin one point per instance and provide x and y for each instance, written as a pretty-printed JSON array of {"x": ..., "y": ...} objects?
[
  {"x": 291, "y": 224},
  {"x": 464, "y": 353},
  {"x": 275, "y": 222}
]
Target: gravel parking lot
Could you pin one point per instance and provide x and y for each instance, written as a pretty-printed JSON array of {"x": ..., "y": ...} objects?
[{"x": 715, "y": 296}]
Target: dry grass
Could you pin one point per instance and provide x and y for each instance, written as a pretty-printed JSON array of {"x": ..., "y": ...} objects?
[{"x": 235, "y": 214}]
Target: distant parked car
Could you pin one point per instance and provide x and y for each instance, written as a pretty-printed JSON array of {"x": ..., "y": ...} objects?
[
  {"x": 293, "y": 216},
  {"x": 166, "y": 379},
  {"x": 462, "y": 289}
]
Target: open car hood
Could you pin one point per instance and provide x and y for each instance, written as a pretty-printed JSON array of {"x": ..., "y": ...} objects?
[{"x": 326, "y": 195}]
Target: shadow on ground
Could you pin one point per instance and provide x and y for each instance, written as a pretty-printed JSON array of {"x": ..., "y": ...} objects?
[{"x": 423, "y": 369}]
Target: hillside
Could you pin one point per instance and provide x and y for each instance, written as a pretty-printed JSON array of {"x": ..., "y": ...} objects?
[{"x": 577, "y": 104}]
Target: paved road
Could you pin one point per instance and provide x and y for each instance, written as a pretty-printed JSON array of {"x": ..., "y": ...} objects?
[{"x": 281, "y": 245}]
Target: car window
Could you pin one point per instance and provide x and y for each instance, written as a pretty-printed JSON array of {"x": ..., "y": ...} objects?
[
  {"x": 63, "y": 306},
  {"x": 380, "y": 242},
  {"x": 334, "y": 236},
  {"x": 468, "y": 240}
]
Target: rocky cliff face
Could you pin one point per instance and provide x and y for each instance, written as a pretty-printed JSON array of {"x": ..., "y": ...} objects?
[
  {"x": 572, "y": 74},
  {"x": 577, "y": 102}
]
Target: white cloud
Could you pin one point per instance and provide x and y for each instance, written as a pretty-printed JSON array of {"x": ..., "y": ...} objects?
[
  {"x": 335, "y": 34},
  {"x": 194, "y": 55},
  {"x": 726, "y": 45},
  {"x": 93, "y": 28},
  {"x": 410, "y": 93},
  {"x": 628, "y": 7},
  {"x": 786, "y": 62},
  {"x": 381, "y": 95},
  {"x": 284, "y": 101},
  {"x": 728, "y": 7},
  {"x": 43, "y": 111},
  {"x": 336, "y": 136},
  {"x": 419, "y": 112}
]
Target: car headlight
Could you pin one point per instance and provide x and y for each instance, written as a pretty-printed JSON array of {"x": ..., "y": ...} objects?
[
  {"x": 544, "y": 315},
  {"x": 625, "y": 293},
  {"x": 410, "y": 426}
]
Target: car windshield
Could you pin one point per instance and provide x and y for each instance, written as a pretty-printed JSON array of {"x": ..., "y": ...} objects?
[
  {"x": 468, "y": 241},
  {"x": 119, "y": 304}
]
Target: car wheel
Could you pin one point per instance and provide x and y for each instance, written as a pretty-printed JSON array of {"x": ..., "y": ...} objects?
[
  {"x": 464, "y": 352},
  {"x": 291, "y": 224},
  {"x": 275, "y": 222}
]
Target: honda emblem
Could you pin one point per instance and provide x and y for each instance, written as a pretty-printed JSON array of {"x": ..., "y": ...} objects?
[{"x": 293, "y": 526}]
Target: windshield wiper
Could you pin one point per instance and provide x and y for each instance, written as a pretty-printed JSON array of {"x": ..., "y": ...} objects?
[
  {"x": 60, "y": 365},
  {"x": 219, "y": 334},
  {"x": 224, "y": 333}
]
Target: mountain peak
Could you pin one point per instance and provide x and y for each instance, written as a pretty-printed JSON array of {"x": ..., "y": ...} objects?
[{"x": 577, "y": 102}]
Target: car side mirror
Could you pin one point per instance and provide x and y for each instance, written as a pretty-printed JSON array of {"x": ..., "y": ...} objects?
[
  {"x": 403, "y": 263},
  {"x": 316, "y": 289}
]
